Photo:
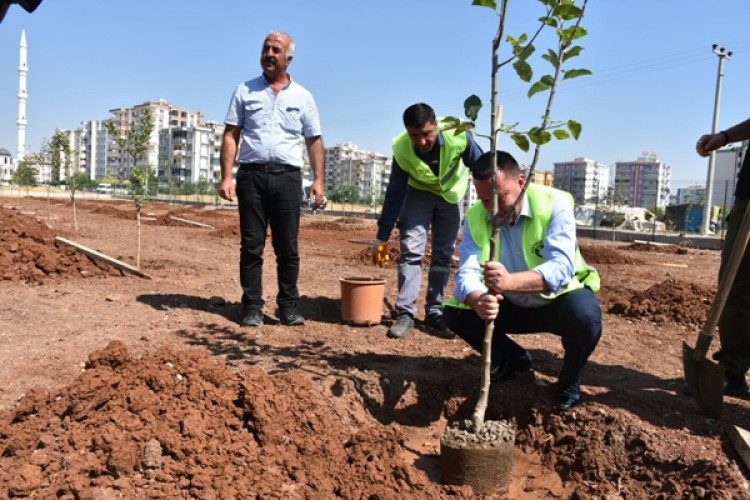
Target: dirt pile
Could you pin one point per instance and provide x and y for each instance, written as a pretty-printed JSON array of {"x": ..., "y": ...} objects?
[
  {"x": 29, "y": 254},
  {"x": 179, "y": 424}
]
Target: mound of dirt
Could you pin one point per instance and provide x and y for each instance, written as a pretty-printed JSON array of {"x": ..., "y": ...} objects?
[
  {"x": 180, "y": 424},
  {"x": 29, "y": 254},
  {"x": 597, "y": 254},
  {"x": 669, "y": 301}
]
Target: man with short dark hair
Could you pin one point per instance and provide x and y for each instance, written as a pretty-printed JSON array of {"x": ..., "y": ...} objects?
[
  {"x": 536, "y": 282},
  {"x": 428, "y": 181}
]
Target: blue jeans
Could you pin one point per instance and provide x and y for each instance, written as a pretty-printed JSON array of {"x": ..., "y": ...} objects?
[
  {"x": 422, "y": 212},
  {"x": 734, "y": 322},
  {"x": 269, "y": 199},
  {"x": 575, "y": 317}
]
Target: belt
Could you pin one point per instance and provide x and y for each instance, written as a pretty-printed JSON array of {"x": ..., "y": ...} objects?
[{"x": 270, "y": 168}]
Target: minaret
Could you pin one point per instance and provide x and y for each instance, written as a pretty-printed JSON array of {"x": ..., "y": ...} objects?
[{"x": 22, "y": 70}]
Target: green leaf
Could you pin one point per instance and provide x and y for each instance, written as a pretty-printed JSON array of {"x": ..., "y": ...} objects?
[
  {"x": 521, "y": 141},
  {"x": 523, "y": 69},
  {"x": 572, "y": 52},
  {"x": 575, "y": 73},
  {"x": 523, "y": 52},
  {"x": 547, "y": 80},
  {"x": 567, "y": 35},
  {"x": 561, "y": 135},
  {"x": 485, "y": 3},
  {"x": 449, "y": 122},
  {"x": 575, "y": 128},
  {"x": 539, "y": 136},
  {"x": 548, "y": 21},
  {"x": 537, "y": 87},
  {"x": 472, "y": 105},
  {"x": 567, "y": 11},
  {"x": 551, "y": 56}
]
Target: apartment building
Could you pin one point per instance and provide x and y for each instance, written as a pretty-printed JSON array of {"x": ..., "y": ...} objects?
[
  {"x": 190, "y": 153},
  {"x": 164, "y": 115},
  {"x": 644, "y": 182},
  {"x": 366, "y": 172},
  {"x": 587, "y": 180}
]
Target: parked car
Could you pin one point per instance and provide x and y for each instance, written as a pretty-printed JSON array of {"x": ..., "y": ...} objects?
[{"x": 104, "y": 188}]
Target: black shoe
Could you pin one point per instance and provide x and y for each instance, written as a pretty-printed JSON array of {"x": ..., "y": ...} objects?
[
  {"x": 735, "y": 385},
  {"x": 436, "y": 322},
  {"x": 512, "y": 366},
  {"x": 401, "y": 327},
  {"x": 289, "y": 316},
  {"x": 253, "y": 317},
  {"x": 566, "y": 397}
]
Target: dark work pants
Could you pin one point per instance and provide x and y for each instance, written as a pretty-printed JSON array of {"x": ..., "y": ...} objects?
[
  {"x": 269, "y": 199},
  {"x": 734, "y": 322},
  {"x": 575, "y": 317}
]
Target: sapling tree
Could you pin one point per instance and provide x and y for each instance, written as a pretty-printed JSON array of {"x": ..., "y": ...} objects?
[
  {"x": 564, "y": 17},
  {"x": 133, "y": 142},
  {"x": 62, "y": 157}
]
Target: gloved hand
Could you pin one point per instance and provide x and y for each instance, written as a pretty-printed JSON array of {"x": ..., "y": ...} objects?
[{"x": 380, "y": 253}]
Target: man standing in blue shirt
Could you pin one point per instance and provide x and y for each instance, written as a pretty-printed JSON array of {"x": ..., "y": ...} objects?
[
  {"x": 428, "y": 182},
  {"x": 268, "y": 119},
  {"x": 537, "y": 281}
]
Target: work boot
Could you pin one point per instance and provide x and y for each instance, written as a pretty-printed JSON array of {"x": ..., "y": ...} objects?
[
  {"x": 436, "y": 322},
  {"x": 511, "y": 366},
  {"x": 735, "y": 385},
  {"x": 289, "y": 316},
  {"x": 401, "y": 327},
  {"x": 567, "y": 396},
  {"x": 253, "y": 317}
]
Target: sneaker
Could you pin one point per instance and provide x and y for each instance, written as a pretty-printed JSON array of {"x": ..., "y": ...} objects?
[
  {"x": 566, "y": 397},
  {"x": 511, "y": 366},
  {"x": 735, "y": 385},
  {"x": 289, "y": 316},
  {"x": 253, "y": 317},
  {"x": 436, "y": 322},
  {"x": 401, "y": 327}
]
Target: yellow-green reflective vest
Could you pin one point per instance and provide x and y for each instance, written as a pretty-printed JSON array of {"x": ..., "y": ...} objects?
[
  {"x": 540, "y": 205},
  {"x": 453, "y": 178}
]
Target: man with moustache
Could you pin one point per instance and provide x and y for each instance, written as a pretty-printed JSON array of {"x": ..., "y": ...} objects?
[{"x": 267, "y": 120}]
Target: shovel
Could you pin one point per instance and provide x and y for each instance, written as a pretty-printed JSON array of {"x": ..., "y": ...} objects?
[{"x": 704, "y": 378}]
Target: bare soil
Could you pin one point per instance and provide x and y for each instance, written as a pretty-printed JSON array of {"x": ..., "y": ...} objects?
[{"x": 116, "y": 386}]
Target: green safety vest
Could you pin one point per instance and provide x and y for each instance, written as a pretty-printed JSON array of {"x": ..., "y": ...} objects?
[
  {"x": 453, "y": 178},
  {"x": 540, "y": 203}
]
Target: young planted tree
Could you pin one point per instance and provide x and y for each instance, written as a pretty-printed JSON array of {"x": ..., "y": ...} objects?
[
  {"x": 25, "y": 174},
  {"x": 564, "y": 17},
  {"x": 61, "y": 156},
  {"x": 134, "y": 143}
]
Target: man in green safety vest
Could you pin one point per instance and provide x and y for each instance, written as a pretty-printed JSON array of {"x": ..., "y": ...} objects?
[
  {"x": 428, "y": 182},
  {"x": 536, "y": 282}
]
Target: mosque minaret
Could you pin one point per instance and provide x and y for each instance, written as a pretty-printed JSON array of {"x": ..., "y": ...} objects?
[{"x": 23, "y": 69}]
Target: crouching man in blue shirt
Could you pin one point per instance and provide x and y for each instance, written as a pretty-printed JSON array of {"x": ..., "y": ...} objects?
[{"x": 537, "y": 281}]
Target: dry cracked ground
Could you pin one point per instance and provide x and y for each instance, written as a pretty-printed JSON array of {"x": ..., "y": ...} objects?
[{"x": 119, "y": 386}]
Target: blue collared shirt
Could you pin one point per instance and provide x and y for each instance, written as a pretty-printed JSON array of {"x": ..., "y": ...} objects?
[
  {"x": 559, "y": 254},
  {"x": 273, "y": 126}
]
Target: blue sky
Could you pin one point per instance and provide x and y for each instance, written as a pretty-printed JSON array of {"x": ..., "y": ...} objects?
[{"x": 652, "y": 89}]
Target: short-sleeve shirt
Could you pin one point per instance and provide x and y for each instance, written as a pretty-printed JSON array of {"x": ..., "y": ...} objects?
[{"x": 273, "y": 126}]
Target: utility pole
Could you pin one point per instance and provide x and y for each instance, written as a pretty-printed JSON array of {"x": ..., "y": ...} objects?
[{"x": 722, "y": 54}]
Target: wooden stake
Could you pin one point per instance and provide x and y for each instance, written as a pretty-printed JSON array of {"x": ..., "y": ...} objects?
[
  {"x": 187, "y": 221},
  {"x": 97, "y": 255}
]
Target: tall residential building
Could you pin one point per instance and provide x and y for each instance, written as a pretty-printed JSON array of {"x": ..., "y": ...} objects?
[
  {"x": 190, "y": 153},
  {"x": 643, "y": 183},
  {"x": 164, "y": 116},
  {"x": 365, "y": 171},
  {"x": 587, "y": 180}
]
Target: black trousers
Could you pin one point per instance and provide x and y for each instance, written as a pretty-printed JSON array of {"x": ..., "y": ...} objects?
[
  {"x": 575, "y": 317},
  {"x": 269, "y": 198}
]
